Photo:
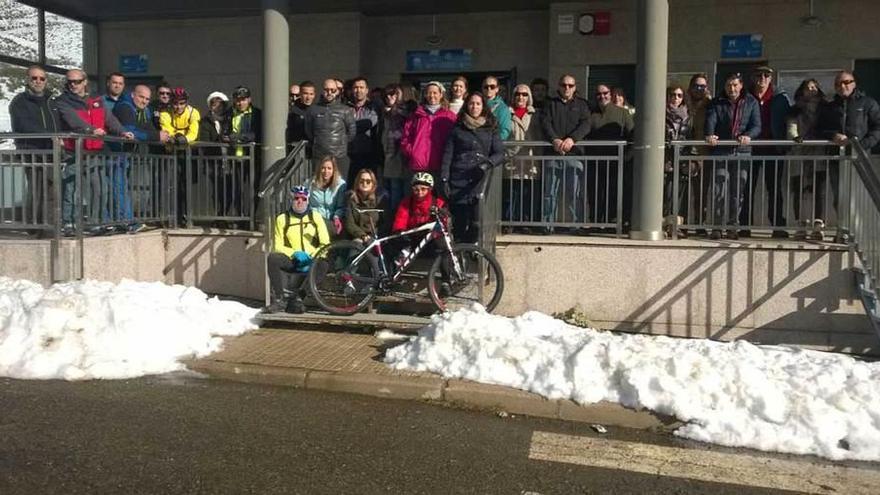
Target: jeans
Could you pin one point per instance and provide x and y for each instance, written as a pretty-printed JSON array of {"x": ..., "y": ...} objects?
[
  {"x": 563, "y": 177},
  {"x": 68, "y": 190},
  {"x": 119, "y": 208},
  {"x": 731, "y": 180}
]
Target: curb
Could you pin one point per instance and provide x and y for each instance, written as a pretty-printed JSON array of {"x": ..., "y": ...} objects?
[{"x": 430, "y": 388}]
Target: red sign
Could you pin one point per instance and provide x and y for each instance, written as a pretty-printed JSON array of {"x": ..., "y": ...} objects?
[{"x": 595, "y": 23}]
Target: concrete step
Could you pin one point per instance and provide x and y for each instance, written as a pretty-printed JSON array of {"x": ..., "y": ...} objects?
[{"x": 359, "y": 320}]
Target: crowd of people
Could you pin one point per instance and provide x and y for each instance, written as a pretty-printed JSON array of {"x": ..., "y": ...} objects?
[{"x": 403, "y": 149}]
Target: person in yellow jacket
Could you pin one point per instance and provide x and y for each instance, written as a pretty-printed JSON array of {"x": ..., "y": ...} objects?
[
  {"x": 181, "y": 121},
  {"x": 299, "y": 234}
]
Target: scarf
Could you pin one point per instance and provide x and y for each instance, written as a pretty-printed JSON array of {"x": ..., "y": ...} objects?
[
  {"x": 519, "y": 112},
  {"x": 764, "y": 105},
  {"x": 676, "y": 121},
  {"x": 432, "y": 109},
  {"x": 736, "y": 118},
  {"x": 472, "y": 123}
]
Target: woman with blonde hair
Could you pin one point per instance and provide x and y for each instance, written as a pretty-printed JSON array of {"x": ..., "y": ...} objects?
[
  {"x": 326, "y": 195},
  {"x": 364, "y": 195},
  {"x": 520, "y": 193}
]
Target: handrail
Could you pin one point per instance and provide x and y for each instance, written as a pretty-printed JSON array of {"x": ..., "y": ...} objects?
[
  {"x": 112, "y": 139},
  {"x": 753, "y": 142},
  {"x": 281, "y": 171},
  {"x": 866, "y": 172}
]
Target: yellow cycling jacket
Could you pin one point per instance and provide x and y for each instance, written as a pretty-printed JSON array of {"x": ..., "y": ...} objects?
[
  {"x": 293, "y": 233},
  {"x": 187, "y": 123}
]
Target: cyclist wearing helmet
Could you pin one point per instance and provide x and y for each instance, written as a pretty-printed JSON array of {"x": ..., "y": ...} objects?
[
  {"x": 299, "y": 233},
  {"x": 181, "y": 121},
  {"x": 415, "y": 209}
]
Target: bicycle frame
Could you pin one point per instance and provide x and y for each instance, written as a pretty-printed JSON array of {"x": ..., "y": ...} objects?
[{"x": 435, "y": 229}]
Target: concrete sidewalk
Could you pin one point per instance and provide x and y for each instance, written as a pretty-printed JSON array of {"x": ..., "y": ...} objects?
[{"x": 350, "y": 362}]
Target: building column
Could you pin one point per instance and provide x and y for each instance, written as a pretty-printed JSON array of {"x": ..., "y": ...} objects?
[
  {"x": 276, "y": 70},
  {"x": 653, "y": 37}
]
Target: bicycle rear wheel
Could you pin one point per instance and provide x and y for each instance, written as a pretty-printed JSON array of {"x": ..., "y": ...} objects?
[
  {"x": 338, "y": 285},
  {"x": 479, "y": 279}
]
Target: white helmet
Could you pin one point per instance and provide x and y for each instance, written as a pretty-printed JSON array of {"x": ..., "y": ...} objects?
[{"x": 423, "y": 178}]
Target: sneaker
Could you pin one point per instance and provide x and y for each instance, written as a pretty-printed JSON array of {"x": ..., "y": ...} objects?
[
  {"x": 68, "y": 230},
  {"x": 743, "y": 233},
  {"x": 295, "y": 306},
  {"x": 275, "y": 307},
  {"x": 732, "y": 234},
  {"x": 715, "y": 234},
  {"x": 817, "y": 235},
  {"x": 135, "y": 228},
  {"x": 445, "y": 289}
]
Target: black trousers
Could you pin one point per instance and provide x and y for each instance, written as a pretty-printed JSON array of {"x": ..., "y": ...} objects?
[
  {"x": 284, "y": 277},
  {"x": 465, "y": 228}
]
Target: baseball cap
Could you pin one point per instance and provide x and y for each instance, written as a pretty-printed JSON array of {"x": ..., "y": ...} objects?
[{"x": 241, "y": 92}]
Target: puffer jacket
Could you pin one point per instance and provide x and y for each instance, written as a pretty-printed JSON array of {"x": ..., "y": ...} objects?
[
  {"x": 424, "y": 136},
  {"x": 33, "y": 114},
  {"x": 463, "y": 160},
  {"x": 330, "y": 127},
  {"x": 720, "y": 121},
  {"x": 372, "y": 224},
  {"x": 857, "y": 117},
  {"x": 293, "y": 232},
  {"x": 330, "y": 202}
]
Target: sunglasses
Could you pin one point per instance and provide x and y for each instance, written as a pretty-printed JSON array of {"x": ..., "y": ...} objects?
[
  {"x": 330, "y": 90},
  {"x": 700, "y": 87},
  {"x": 566, "y": 85},
  {"x": 490, "y": 86},
  {"x": 845, "y": 82},
  {"x": 75, "y": 81},
  {"x": 366, "y": 181},
  {"x": 603, "y": 93},
  {"x": 164, "y": 93},
  {"x": 521, "y": 94},
  {"x": 38, "y": 78}
]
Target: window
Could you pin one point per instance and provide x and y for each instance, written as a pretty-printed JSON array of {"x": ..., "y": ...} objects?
[
  {"x": 19, "y": 33},
  {"x": 64, "y": 42},
  {"x": 12, "y": 82}
]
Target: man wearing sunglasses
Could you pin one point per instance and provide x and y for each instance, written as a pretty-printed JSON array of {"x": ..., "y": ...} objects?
[
  {"x": 850, "y": 114},
  {"x": 32, "y": 112},
  {"x": 296, "y": 115},
  {"x": 774, "y": 108},
  {"x": 330, "y": 126},
  {"x": 83, "y": 114},
  {"x": 566, "y": 120}
]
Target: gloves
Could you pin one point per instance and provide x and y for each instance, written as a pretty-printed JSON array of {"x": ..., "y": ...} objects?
[
  {"x": 180, "y": 140},
  {"x": 301, "y": 260}
]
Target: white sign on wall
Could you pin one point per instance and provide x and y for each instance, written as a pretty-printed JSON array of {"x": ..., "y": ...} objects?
[{"x": 565, "y": 23}]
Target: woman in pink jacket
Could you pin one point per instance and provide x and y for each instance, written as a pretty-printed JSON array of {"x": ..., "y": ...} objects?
[{"x": 425, "y": 132}]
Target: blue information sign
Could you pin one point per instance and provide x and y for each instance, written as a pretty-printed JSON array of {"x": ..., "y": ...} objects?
[
  {"x": 742, "y": 45},
  {"x": 133, "y": 64},
  {"x": 449, "y": 59}
]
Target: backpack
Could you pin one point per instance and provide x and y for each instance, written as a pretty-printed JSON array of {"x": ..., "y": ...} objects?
[{"x": 316, "y": 242}]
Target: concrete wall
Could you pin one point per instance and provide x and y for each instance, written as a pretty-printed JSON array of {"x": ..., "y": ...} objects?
[{"x": 693, "y": 289}]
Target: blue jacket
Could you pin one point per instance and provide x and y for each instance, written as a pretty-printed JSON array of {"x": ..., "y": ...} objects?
[
  {"x": 502, "y": 115},
  {"x": 328, "y": 202},
  {"x": 719, "y": 120},
  {"x": 140, "y": 125}
]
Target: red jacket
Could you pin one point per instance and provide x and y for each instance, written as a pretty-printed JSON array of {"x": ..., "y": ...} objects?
[
  {"x": 91, "y": 114},
  {"x": 412, "y": 213}
]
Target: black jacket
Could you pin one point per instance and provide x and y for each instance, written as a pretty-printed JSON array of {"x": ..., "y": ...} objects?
[
  {"x": 561, "y": 119},
  {"x": 857, "y": 116},
  {"x": 32, "y": 114},
  {"x": 296, "y": 122},
  {"x": 463, "y": 163},
  {"x": 330, "y": 127},
  {"x": 719, "y": 121}
]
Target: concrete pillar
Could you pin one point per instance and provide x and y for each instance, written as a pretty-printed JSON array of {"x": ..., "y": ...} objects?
[
  {"x": 276, "y": 70},
  {"x": 653, "y": 37}
]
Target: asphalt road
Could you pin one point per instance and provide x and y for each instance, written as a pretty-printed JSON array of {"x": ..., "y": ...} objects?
[{"x": 180, "y": 434}]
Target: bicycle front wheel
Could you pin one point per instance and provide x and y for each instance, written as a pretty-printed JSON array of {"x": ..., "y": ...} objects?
[
  {"x": 338, "y": 284},
  {"x": 477, "y": 278}
]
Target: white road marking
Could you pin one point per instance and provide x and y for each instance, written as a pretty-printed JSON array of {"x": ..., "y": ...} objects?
[{"x": 806, "y": 476}]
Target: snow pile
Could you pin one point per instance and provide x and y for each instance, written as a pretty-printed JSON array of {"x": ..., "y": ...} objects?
[
  {"x": 770, "y": 398},
  {"x": 82, "y": 330}
]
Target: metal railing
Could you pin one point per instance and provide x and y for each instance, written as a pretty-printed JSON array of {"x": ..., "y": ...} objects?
[
  {"x": 582, "y": 189},
  {"x": 782, "y": 186},
  {"x": 294, "y": 169},
  {"x": 863, "y": 225},
  {"x": 221, "y": 183}
]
